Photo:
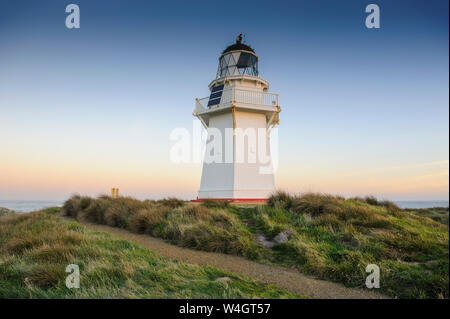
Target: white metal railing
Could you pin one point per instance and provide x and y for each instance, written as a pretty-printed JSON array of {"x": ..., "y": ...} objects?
[
  {"x": 242, "y": 96},
  {"x": 203, "y": 102}
]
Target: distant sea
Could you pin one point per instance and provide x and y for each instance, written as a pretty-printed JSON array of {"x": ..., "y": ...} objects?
[
  {"x": 421, "y": 203},
  {"x": 24, "y": 206}
]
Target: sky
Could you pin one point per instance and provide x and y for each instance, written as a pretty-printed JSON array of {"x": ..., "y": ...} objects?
[{"x": 364, "y": 111}]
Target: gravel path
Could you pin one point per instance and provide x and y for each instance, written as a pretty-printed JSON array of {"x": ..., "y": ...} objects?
[{"x": 287, "y": 278}]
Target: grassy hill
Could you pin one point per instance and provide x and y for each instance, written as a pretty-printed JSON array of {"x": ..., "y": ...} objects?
[
  {"x": 328, "y": 236},
  {"x": 439, "y": 214},
  {"x": 35, "y": 249}
]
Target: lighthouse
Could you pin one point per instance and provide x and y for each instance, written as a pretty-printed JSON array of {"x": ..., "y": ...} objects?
[{"x": 239, "y": 116}]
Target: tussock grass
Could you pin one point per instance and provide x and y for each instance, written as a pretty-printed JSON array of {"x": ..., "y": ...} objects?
[
  {"x": 329, "y": 236},
  {"x": 336, "y": 238},
  {"x": 439, "y": 214},
  {"x": 371, "y": 200},
  {"x": 216, "y": 203},
  {"x": 207, "y": 227},
  {"x": 35, "y": 249},
  {"x": 280, "y": 199},
  {"x": 171, "y": 202},
  {"x": 146, "y": 220}
]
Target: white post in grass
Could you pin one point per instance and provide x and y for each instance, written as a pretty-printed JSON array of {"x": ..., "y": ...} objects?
[{"x": 114, "y": 192}]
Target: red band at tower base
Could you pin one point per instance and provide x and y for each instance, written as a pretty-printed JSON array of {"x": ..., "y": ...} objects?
[{"x": 232, "y": 200}]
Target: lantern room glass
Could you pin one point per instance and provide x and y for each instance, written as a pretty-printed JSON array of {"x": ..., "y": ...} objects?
[{"x": 237, "y": 63}]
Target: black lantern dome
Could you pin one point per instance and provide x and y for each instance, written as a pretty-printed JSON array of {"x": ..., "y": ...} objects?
[
  {"x": 238, "y": 59},
  {"x": 238, "y": 46}
]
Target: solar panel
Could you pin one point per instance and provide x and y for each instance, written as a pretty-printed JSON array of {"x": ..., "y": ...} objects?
[
  {"x": 217, "y": 88},
  {"x": 214, "y": 102},
  {"x": 216, "y": 95}
]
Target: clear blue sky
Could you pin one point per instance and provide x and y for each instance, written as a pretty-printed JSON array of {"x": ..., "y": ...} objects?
[{"x": 364, "y": 110}]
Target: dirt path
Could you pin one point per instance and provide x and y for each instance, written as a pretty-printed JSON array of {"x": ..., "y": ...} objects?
[{"x": 289, "y": 279}]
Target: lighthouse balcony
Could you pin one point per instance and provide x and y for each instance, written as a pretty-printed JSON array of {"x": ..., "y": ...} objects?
[{"x": 238, "y": 97}]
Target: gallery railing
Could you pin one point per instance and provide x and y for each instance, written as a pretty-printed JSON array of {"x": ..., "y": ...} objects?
[{"x": 242, "y": 96}]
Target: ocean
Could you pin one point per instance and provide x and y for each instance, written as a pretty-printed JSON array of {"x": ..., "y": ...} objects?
[
  {"x": 421, "y": 203},
  {"x": 24, "y": 206}
]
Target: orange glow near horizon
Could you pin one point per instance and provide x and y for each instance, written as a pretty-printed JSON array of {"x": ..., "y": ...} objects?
[{"x": 58, "y": 178}]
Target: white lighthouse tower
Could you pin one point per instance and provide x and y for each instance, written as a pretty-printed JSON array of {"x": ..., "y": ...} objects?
[{"x": 239, "y": 115}]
